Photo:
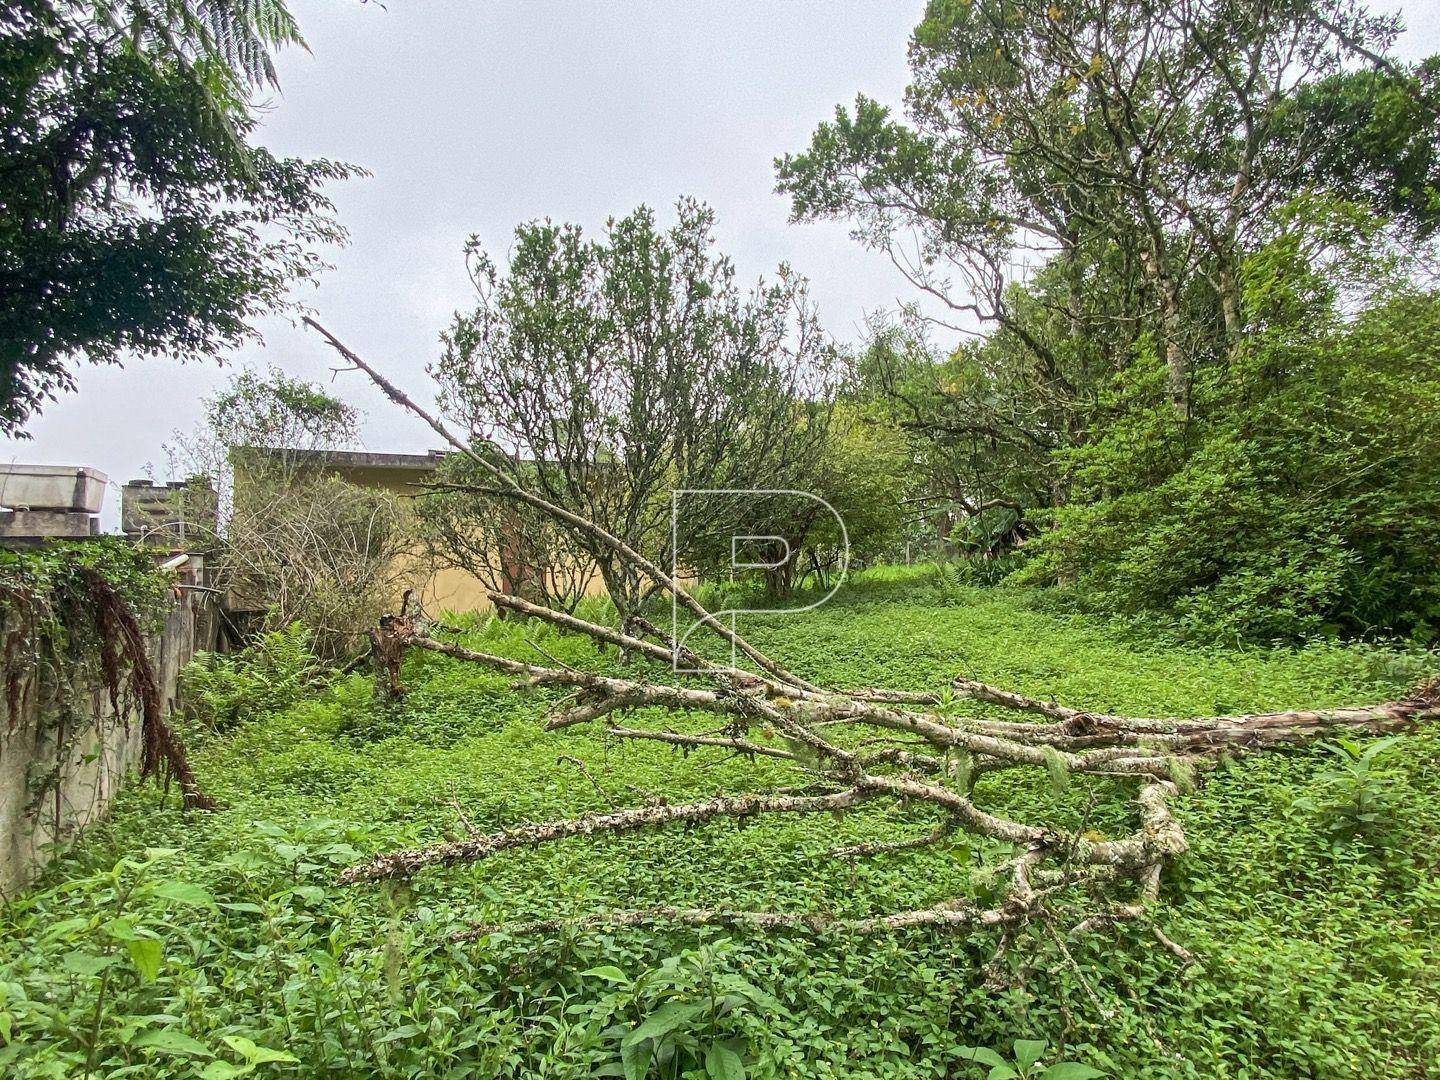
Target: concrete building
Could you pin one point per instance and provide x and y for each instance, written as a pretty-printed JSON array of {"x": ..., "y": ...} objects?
[{"x": 441, "y": 588}]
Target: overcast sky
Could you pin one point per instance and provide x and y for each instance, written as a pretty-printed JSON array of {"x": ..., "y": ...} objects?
[{"x": 475, "y": 115}]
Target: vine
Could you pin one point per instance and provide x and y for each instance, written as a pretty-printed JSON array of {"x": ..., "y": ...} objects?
[{"x": 71, "y": 610}]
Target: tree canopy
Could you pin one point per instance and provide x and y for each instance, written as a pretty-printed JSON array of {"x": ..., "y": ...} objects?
[
  {"x": 137, "y": 217},
  {"x": 1153, "y": 224},
  {"x": 608, "y": 373}
]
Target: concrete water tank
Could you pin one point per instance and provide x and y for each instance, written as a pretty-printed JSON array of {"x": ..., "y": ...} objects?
[{"x": 67, "y": 488}]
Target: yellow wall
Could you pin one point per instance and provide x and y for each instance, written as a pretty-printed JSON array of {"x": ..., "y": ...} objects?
[{"x": 441, "y": 588}]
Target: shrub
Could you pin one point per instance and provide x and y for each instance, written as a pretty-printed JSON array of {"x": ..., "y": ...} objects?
[
  {"x": 1307, "y": 504},
  {"x": 274, "y": 672}
]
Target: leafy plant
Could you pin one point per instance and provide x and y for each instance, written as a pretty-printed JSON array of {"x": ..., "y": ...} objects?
[
  {"x": 251, "y": 1058},
  {"x": 688, "y": 1010},
  {"x": 1358, "y": 796},
  {"x": 222, "y": 690},
  {"x": 118, "y": 946},
  {"x": 1313, "y": 962},
  {"x": 1026, "y": 1063}
]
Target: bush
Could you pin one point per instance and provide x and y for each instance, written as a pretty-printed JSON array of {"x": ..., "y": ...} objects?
[
  {"x": 1309, "y": 504},
  {"x": 221, "y": 691}
]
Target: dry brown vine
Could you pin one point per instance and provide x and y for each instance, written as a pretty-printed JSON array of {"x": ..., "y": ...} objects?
[{"x": 125, "y": 667}]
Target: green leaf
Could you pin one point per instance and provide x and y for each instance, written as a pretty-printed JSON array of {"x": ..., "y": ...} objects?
[
  {"x": 146, "y": 953},
  {"x": 264, "y": 1054},
  {"x": 404, "y": 1031},
  {"x": 256, "y": 1055},
  {"x": 182, "y": 892},
  {"x": 983, "y": 1054},
  {"x": 722, "y": 1063},
  {"x": 223, "y": 1070},
  {"x": 171, "y": 1041},
  {"x": 1070, "y": 1070},
  {"x": 609, "y": 973},
  {"x": 663, "y": 1021},
  {"x": 636, "y": 1059},
  {"x": 66, "y": 928},
  {"x": 120, "y": 930},
  {"x": 78, "y": 963},
  {"x": 241, "y": 1045},
  {"x": 1029, "y": 1051}
]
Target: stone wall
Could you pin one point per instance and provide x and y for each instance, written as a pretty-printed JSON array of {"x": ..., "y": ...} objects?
[{"x": 57, "y": 777}]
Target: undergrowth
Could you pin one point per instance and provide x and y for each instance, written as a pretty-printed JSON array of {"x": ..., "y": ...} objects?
[{"x": 1316, "y": 941}]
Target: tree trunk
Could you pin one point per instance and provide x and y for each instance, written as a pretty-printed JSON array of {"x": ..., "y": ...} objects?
[{"x": 1177, "y": 363}]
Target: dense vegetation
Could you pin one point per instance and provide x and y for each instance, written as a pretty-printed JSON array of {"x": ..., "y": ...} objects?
[
  {"x": 1190, "y": 248},
  {"x": 288, "y": 539},
  {"x": 48, "y": 619},
  {"x": 611, "y": 371},
  {"x": 167, "y": 944},
  {"x": 1194, "y": 243}
]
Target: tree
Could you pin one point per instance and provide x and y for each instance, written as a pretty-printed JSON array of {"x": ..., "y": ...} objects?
[
  {"x": 865, "y": 473},
  {"x": 1309, "y": 504},
  {"x": 1161, "y": 137},
  {"x": 1103, "y": 192},
  {"x": 979, "y": 438},
  {"x": 922, "y": 756},
  {"x": 137, "y": 218},
  {"x": 861, "y": 478},
  {"x": 323, "y": 552},
  {"x": 269, "y": 425},
  {"x": 507, "y": 546},
  {"x": 617, "y": 370},
  {"x": 294, "y": 540}
]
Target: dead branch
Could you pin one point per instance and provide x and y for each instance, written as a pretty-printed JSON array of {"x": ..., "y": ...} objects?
[
  {"x": 406, "y": 863},
  {"x": 933, "y": 758},
  {"x": 943, "y": 831}
]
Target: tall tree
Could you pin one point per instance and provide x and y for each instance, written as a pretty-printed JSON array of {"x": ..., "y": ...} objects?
[
  {"x": 611, "y": 372},
  {"x": 137, "y": 218},
  {"x": 1129, "y": 202},
  {"x": 1153, "y": 139}
]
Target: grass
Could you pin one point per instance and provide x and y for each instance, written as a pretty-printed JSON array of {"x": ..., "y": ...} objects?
[{"x": 1318, "y": 949}]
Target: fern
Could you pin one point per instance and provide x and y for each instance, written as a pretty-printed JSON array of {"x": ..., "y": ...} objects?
[{"x": 222, "y": 691}]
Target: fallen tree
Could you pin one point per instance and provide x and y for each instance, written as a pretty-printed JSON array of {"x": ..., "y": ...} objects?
[{"x": 851, "y": 748}]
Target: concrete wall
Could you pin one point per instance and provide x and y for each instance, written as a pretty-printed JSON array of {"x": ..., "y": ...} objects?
[{"x": 89, "y": 754}]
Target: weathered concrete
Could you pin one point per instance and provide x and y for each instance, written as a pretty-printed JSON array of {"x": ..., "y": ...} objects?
[
  {"x": 70, "y": 488},
  {"x": 59, "y": 767},
  {"x": 182, "y": 515},
  {"x": 46, "y": 525}
]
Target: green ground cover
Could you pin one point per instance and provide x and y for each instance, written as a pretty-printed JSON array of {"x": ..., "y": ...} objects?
[{"x": 170, "y": 945}]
